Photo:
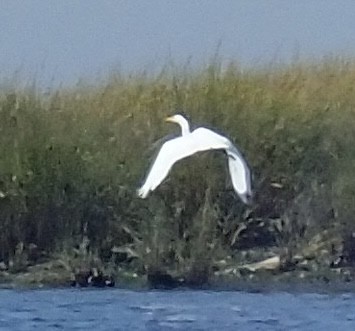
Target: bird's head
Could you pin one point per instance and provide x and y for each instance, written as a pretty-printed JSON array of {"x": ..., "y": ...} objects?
[
  {"x": 182, "y": 121},
  {"x": 177, "y": 118}
]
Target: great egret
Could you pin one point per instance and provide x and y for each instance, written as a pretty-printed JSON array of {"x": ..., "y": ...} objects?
[{"x": 200, "y": 139}]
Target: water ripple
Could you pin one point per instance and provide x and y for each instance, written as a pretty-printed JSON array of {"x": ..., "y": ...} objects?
[{"x": 175, "y": 310}]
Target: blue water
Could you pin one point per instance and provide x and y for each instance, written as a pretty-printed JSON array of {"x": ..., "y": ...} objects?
[{"x": 76, "y": 309}]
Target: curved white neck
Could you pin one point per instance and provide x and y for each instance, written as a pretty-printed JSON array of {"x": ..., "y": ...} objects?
[{"x": 185, "y": 127}]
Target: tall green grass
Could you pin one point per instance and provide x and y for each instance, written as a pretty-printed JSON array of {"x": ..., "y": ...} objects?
[{"x": 71, "y": 160}]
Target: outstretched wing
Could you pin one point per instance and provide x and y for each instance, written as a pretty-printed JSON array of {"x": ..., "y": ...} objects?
[
  {"x": 171, "y": 152},
  {"x": 238, "y": 168},
  {"x": 240, "y": 174}
]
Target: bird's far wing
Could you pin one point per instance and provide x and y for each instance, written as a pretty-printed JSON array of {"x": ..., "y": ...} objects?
[
  {"x": 238, "y": 168},
  {"x": 240, "y": 173},
  {"x": 171, "y": 152}
]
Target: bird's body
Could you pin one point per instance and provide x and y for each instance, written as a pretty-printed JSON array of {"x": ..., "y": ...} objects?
[{"x": 189, "y": 143}]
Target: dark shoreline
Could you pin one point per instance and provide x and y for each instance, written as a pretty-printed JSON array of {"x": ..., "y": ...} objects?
[{"x": 328, "y": 282}]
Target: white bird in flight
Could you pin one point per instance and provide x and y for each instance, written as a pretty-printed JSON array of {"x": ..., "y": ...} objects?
[{"x": 191, "y": 142}]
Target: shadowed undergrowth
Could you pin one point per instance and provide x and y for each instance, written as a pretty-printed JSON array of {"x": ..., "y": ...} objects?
[{"x": 71, "y": 161}]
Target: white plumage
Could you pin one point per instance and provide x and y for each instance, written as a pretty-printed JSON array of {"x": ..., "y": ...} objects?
[{"x": 189, "y": 143}]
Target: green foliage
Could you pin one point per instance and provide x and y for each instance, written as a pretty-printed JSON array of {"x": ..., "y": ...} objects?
[{"x": 71, "y": 160}]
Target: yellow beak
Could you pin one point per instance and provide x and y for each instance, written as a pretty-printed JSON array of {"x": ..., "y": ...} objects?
[{"x": 170, "y": 119}]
